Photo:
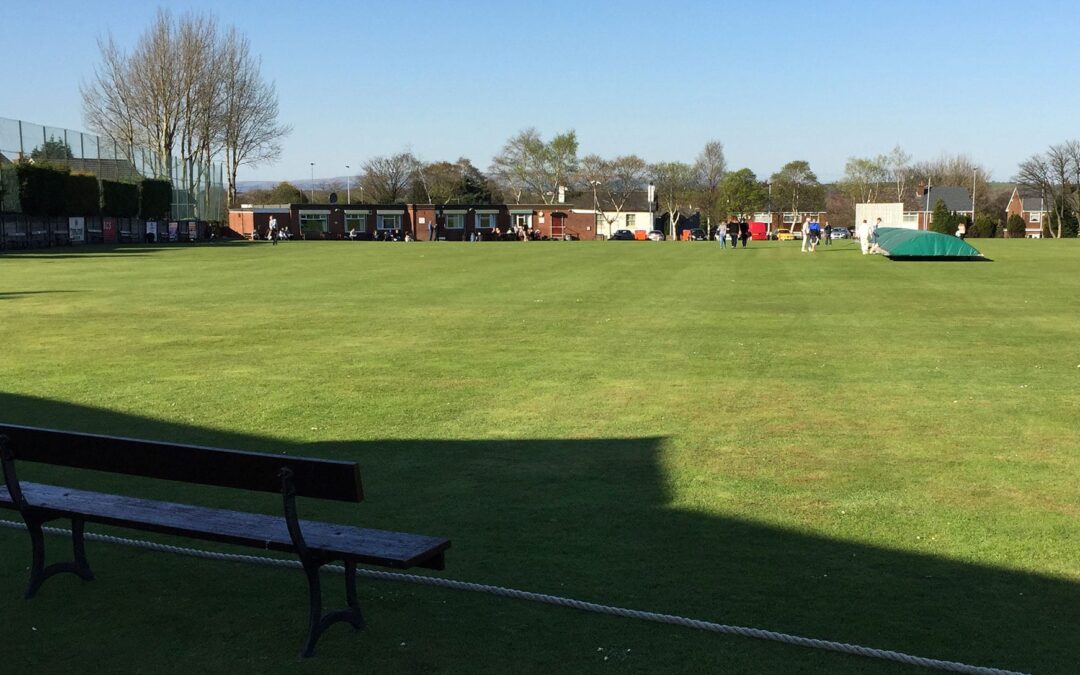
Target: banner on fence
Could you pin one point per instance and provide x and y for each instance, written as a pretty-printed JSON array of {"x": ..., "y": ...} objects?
[
  {"x": 174, "y": 228},
  {"x": 76, "y": 230},
  {"x": 108, "y": 230},
  {"x": 151, "y": 229},
  {"x": 192, "y": 231}
]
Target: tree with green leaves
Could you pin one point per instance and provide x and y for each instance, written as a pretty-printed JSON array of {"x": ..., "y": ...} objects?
[
  {"x": 741, "y": 194},
  {"x": 450, "y": 183},
  {"x": 943, "y": 220},
  {"x": 863, "y": 177},
  {"x": 286, "y": 193},
  {"x": 797, "y": 186},
  {"x": 528, "y": 167},
  {"x": 52, "y": 149}
]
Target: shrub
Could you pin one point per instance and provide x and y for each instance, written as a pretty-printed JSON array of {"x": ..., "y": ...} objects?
[
  {"x": 1015, "y": 226},
  {"x": 943, "y": 220},
  {"x": 82, "y": 195},
  {"x": 984, "y": 226},
  {"x": 156, "y": 198},
  {"x": 120, "y": 200}
]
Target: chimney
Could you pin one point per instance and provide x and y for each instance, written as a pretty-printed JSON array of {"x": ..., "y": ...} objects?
[
  {"x": 562, "y": 194},
  {"x": 920, "y": 189}
]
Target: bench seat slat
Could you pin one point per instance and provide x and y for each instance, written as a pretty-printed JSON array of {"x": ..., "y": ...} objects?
[{"x": 369, "y": 546}]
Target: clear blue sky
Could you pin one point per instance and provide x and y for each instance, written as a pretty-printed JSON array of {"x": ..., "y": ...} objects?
[{"x": 774, "y": 81}]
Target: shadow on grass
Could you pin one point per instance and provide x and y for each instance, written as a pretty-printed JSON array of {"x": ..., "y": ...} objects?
[
  {"x": 591, "y": 519},
  {"x": 98, "y": 251},
  {"x": 15, "y": 295}
]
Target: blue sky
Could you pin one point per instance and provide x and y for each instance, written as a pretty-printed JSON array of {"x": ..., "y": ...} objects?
[{"x": 774, "y": 81}]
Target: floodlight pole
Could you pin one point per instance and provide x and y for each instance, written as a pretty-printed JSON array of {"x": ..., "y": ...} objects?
[
  {"x": 348, "y": 185},
  {"x": 313, "y": 182}
]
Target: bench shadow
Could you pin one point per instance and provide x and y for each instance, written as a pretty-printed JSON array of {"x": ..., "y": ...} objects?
[
  {"x": 15, "y": 295},
  {"x": 592, "y": 519}
]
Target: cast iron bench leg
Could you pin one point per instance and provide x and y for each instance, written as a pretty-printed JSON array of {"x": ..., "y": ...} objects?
[
  {"x": 317, "y": 621},
  {"x": 39, "y": 573}
]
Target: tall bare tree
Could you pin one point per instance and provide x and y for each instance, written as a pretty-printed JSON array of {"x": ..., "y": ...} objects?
[
  {"x": 387, "y": 180},
  {"x": 251, "y": 131},
  {"x": 711, "y": 167},
  {"x": 190, "y": 90},
  {"x": 109, "y": 99},
  {"x": 897, "y": 166},
  {"x": 612, "y": 183},
  {"x": 675, "y": 185},
  {"x": 1055, "y": 174}
]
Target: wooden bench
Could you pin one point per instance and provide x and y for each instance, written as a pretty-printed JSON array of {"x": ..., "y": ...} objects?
[{"x": 315, "y": 543}]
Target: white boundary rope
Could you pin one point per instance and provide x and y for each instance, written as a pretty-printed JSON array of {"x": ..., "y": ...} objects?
[{"x": 758, "y": 633}]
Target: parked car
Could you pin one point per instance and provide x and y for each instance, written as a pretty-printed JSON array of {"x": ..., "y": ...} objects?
[
  {"x": 841, "y": 233},
  {"x": 698, "y": 234},
  {"x": 656, "y": 235},
  {"x": 625, "y": 235},
  {"x": 784, "y": 234}
]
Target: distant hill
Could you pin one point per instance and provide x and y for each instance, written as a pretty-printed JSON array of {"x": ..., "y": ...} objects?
[
  {"x": 248, "y": 185},
  {"x": 303, "y": 183}
]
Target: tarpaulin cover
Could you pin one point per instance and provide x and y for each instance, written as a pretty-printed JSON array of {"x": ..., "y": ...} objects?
[{"x": 898, "y": 242}]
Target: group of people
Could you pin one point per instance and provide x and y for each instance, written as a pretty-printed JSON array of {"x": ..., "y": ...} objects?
[
  {"x": 812, "y": 233},
  {"x": 735, "y": 230},
  {"x": 866, "y": 233}
]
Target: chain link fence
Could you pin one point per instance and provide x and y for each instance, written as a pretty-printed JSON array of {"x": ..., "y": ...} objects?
[{"x": 198, "y": 188}]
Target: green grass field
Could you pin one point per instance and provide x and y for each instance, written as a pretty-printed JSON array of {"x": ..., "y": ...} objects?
[{"x": 832, "y": 445}]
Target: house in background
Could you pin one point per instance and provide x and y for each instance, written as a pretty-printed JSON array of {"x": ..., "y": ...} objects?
[
  {"x": 917, "y": 215},
  {"x": 636, "y": 215},
  {"x": 1032, "y": 209}
]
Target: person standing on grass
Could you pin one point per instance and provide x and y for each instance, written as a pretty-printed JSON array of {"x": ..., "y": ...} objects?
[
  {"x": 872, "y": 237},
  {"x": 273, "y": 230},
  {"x": 862, "y": 231},
  {"x": 720, "y": 234},
  {"x": 828, "y": 234},
  {"x": 815, "y": 235},
  {"x": 744, "y": 231},
  {"x": 805, "y": 234},
  {"x": 733, "y": 232}
]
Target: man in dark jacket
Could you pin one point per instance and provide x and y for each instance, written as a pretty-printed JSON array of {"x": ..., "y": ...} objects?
[
  {"x": 744, "y": 231},
  {"x": 733, "y": 231}
]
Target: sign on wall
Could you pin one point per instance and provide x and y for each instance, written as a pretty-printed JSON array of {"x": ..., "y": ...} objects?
[
  {"x": 193, "y": 231},
  {"x": 108, "y": 230},
  {"x": 77, "y": 230},
  {"x": 174, "y": 227},
  {"x": 151, "y": 229}
]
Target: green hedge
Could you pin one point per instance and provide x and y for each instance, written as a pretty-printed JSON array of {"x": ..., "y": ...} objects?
[
  {"x": 82, "y": 195},
  {"x": 156, "y": 199},
  {"x": 120, "y": 200},
  {"x": 41, "y": 189}
]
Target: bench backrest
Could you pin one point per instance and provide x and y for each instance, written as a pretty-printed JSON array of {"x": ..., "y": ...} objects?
[{"x": 321, "y": 478}]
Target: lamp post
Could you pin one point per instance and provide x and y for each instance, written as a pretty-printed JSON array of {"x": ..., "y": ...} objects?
[
  {"x": 348, "y": 185},
  {"x": 313, "y": 182}
]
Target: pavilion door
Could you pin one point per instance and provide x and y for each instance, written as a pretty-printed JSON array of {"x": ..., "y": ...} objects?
[{"x": 557, "y": 222}]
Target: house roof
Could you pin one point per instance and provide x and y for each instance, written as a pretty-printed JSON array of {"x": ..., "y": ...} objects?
[
  {"x": 1032, "y": 204},
  {"x": 637, "y": 201},
  {"x": 955, "y": 198}
]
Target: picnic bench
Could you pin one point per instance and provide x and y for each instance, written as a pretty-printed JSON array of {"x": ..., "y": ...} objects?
[{"x": 315, "y": 543}]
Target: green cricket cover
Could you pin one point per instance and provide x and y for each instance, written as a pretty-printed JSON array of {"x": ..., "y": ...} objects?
[{"x": 899, "y": 243}]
